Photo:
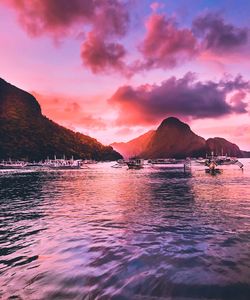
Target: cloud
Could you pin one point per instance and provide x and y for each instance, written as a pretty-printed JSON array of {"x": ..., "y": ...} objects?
[
  {"x": 99, "y": 55},
  {"x": 100, "y": 23},
  {"x": 165, "y": 44},
  {"x": 217, "y": 35},
  {"x": 57, "y": 17},
  {"x": 156, "y": 5},
  {"x": 103, "y": 25},
  {"x": 237, "y": 101},
  {"x": 185, "y": 97},
  {"x": 54, "y": 17},
  {"x": 68, "y": 112}
]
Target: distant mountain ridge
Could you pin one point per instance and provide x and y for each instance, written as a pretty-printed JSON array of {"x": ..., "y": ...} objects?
[
  {"x": 175, "y": 139},
  {"x": 27, "y": 134},
  {"x": 136, "y": 146},
  {"x": 221, "y": 146}
]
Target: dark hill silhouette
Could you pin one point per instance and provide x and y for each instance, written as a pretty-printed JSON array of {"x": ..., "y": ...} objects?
[
  {"x": 27, "y": 134},
  {"x": 175, "y": 139}
]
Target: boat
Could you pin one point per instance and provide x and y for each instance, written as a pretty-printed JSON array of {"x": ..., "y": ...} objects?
[
  {"x": 162, "y": 161},
  {"x": 135, "y": 163},
  {"x": 62, "y": 164},
  {"x": 88, "y": 162},
  {"x": 213, "y": 172},
  {"x": 201, "y": 161},
  {"x": 120, "y": 163},
  {"x": 10, "y": 165},
  {"x": 225, "y": 160},
  {"x": 220, "y": 160},
  {"x": 212, "y": 168}
]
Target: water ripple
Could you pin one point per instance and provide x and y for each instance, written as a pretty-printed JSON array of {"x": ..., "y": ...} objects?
[{"x": 104, "y": 233}]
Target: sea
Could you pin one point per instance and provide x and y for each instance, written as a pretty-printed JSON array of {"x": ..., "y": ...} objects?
[{"x": 113, "y": 233}]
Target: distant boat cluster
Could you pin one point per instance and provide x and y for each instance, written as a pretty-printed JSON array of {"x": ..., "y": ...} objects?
[
  {"x": 58, "y": 164},
  {"x": 211, "y": 163}
]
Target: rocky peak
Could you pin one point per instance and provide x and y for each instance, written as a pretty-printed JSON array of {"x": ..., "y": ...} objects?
[{"x": 173, "y": 122}]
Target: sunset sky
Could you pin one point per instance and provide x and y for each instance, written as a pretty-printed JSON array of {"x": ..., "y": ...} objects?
[{"x": 115, "y": 69}]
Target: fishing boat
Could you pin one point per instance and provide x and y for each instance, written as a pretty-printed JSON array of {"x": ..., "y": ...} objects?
[
  {"x": 201, "y": 160},
  {"x": 120, "y": 163},
  {"x": 212, "y": 168},
  {"x": 220, "y": 160},
  {"x": 225, "y": 160},
  {"x": 213, "y": 172},
  {"x": 62, "y": 164},
  {"x": 10, "y": 165},
  {"x": 88, "y": 162},
  {"x": 135, "y": 163},
  {"x": 162, "y": 161}
]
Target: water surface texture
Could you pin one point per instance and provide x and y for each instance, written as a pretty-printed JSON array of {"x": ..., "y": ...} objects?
[{"x": 105, "y": 233}]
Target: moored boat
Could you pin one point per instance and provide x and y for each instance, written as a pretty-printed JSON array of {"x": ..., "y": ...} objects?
[
  {"x": 220, "y": 160},
  {"x": 162, "y": 161},
  {"x": 62, "y": 164},
  {"x": 10, "y": 165},
  {"x": 135, "y": 163}
]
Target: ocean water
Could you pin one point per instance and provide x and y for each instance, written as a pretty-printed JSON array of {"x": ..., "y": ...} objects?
[{"x": 105, "y": 233}]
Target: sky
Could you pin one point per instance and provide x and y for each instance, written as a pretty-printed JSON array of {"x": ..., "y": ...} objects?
[{"x": 114, "y": 69}]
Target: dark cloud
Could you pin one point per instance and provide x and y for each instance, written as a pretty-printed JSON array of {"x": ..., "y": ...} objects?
[
  {"x": 217, "y": 35},
  {"x": 185, "y": 97},
  {"x": 99, "y": 55}
]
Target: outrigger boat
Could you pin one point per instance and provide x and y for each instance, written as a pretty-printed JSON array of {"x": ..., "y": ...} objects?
[
  {"x": 12, "y": 165},
  {"x": 225, "y": 160},
  {"x": 120, "y": 163},
  {"x": 220, "y": 160},
  {"x": 62, "y": 164},
  {"x": 135, "y": 163},
  {"x": 212, "y": 168},
  {"x": 162, "y": 161}
]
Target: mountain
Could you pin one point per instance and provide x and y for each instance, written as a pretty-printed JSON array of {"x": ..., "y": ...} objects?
[
  {"x": 27, "y": 134},
  {"x": 174, "y": 138},
  {"x": 220, "y": 146},
  {"x": 134, "y": 147},
  {"x": 245, "y": 154}
]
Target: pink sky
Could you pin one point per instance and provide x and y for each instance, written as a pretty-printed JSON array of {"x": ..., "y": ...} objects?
[{"x": 115, "y": 69}]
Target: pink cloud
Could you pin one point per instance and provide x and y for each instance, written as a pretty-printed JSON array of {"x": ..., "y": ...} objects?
[
  {"x": 237, "y": 101},
  {"x": 68, "y": 112},
  {"x": 54, "y": 17},
  {"x": 165, "y": 44},
  {"x": 155, "y": 6},
  {"x": 104, "y": 22}
]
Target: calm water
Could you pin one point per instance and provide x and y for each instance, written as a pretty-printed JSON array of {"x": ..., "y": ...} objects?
[{"x": 105, "y": 233}]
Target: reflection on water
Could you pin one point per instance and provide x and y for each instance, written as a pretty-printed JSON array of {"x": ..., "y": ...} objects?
[{"x": 103, "y": 233}]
